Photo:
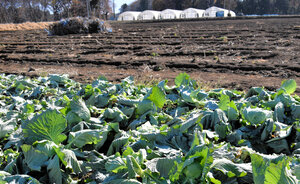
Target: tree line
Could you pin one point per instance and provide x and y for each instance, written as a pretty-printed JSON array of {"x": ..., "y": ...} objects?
[
  {"x": 17, "y": 11},
  {"x": 249, "y": 7}
]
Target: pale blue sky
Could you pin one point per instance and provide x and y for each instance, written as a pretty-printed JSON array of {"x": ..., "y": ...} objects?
[{"x": 119, "y": 3}]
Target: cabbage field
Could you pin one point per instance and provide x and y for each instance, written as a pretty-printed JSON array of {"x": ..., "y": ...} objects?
[{"x": 56, "y": 130}]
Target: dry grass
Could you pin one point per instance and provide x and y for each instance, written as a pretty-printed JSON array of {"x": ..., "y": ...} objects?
[{"x": 24, "y": 26}]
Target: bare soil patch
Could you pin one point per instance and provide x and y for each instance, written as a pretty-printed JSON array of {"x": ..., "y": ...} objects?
[{"x": 235, "y": 54}]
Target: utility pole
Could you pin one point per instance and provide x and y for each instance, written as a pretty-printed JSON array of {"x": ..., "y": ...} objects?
[
  {"x": 88, "y": 8},
  {"x": 114, "y": 10}
]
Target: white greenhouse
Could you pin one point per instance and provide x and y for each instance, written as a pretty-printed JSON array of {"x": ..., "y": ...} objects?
[
  {"x": 149, "y": 15},
  {"x": 218, "y": 12},
  {"x": 129, "y": 15},
  {"x": 192, "y": 13},
  {"x": 170, "y": 14}
]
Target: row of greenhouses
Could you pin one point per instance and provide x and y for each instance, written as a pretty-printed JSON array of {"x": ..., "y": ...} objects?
[{"x": 175, "y": 14}]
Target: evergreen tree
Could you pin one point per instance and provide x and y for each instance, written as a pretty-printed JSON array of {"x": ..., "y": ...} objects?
[
  {"x": 282, "y": 6},
  {"x": 143, "y": 5},
  {"x": 123, "y": 8}
]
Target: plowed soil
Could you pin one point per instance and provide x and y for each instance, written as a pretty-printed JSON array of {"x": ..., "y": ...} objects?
[{"x": 235, "y": 53}]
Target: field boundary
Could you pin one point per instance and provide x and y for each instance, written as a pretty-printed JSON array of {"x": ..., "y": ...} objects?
[
  {"x": 209, "y": 19},
  {"x": 24, "y": 26}
]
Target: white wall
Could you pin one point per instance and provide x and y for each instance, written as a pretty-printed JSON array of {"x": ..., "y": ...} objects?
[
  {"x": 170, "y": 14},
  {"x": 149, "y": 15},
  {"x": 128, "y": 16},
  {"x": 211, "y": 12},
  {"x": 192, "y": 13}
]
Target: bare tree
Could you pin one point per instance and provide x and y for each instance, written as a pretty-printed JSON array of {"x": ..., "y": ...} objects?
[
  {"x": 78, "y": 8},
  {"x": 104, "y": 8},
  {"x": 294, "y": 5},
  {"x": 45, "y": 4},
  {"x": 61, "y": 8},
  {"x": 3, "y": 11},
  {"x": 88, "y": 7}
]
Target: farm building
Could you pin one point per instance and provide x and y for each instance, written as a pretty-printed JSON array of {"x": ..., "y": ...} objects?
[
  {"x": 129, "y": 15},
  {"x": 170, "y": 14},
  {"x": 218, "y": 12},
  {"x": 192, "y": 13},
  {"x": 149, "y": 15}
]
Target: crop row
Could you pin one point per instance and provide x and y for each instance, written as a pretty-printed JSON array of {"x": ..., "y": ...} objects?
[{"x": 55, "y": 130}]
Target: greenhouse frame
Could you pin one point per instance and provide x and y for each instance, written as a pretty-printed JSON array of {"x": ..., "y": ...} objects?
[
  {"x": 170, "y": 14},
  {"x": 192, "y": 13},
  {"x": 149, "y": 15},
  {"x": 218, "y": 12},
  {"x": 129, "y": 16}
]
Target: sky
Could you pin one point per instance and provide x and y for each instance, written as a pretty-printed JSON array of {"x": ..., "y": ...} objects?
[{"x": 119, "y": 3}]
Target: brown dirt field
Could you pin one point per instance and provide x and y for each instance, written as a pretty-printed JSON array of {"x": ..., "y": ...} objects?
[
  {"x": 230, "y": 53},
  {"x": 24, "y": 26}
]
